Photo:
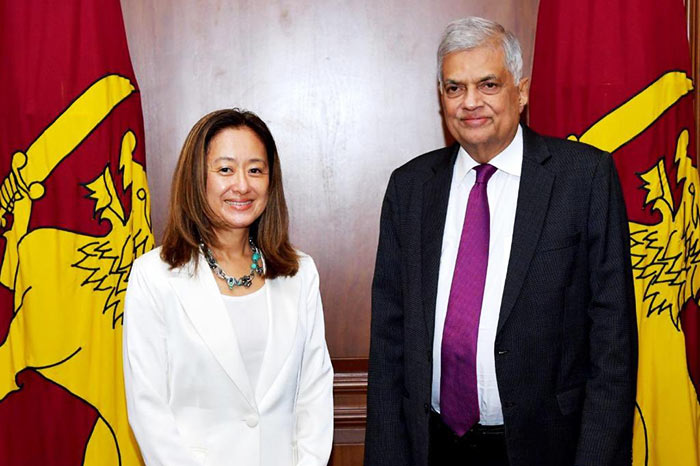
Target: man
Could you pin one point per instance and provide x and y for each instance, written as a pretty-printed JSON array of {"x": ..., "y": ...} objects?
[{"x": 503, "y": 324}]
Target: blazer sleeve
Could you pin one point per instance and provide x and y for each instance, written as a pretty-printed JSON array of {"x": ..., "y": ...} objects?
[
  {"x": 314, "y": 406},
  {"x": 145, "y": 376},
  {"x": 386, "y": 438},
  {"x": 606, "y": 424}
]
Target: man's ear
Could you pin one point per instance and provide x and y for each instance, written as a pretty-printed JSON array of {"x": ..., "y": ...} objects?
[{"x": 524, "y": 92}]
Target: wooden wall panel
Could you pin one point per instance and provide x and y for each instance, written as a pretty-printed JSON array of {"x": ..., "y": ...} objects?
[{"x": 348, "y": 88}]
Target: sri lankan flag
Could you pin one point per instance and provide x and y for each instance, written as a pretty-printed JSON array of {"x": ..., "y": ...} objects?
[
  {"x": 74, "y": 213},
  {"x": 616, "y": 74}
]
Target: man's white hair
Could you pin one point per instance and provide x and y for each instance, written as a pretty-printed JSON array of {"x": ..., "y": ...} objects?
[{"x": 472, "y": 32}]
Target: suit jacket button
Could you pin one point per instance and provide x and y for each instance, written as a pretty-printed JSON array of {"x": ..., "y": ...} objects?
[
  {"x": 426, "y": 407},
  {"x": 252, "y": 420}
]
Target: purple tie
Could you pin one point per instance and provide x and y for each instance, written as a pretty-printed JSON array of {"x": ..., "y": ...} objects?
[{"x": 459, "y": 399}]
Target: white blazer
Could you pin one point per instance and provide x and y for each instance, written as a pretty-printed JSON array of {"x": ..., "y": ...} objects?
[{"x": 189, "y": 398}]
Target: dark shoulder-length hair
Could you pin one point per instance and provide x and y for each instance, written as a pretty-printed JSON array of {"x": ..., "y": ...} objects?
[{"x": 191, "y": 220}]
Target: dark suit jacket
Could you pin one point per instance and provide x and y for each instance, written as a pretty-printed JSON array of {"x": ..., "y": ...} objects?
[{"x": 565, "y": 346}]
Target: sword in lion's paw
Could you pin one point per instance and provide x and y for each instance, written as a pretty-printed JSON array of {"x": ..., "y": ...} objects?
[
  {"x": 630, "y": 119},
  {"x": 24, "y": 183}
]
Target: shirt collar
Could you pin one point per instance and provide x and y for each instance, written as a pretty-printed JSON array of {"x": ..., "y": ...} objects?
[{"x": 510, "y": 160}]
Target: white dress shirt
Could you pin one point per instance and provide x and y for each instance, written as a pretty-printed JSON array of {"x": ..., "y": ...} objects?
[{"x": 502, "y": 191}]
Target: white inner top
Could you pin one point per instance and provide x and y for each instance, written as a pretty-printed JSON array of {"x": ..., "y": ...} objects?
[{"x": 249, "y": 317}]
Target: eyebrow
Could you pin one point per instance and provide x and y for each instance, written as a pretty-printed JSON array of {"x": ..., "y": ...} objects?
[
  {"x": 489, "y": 77},
  {"x": 228, "y": 158}
]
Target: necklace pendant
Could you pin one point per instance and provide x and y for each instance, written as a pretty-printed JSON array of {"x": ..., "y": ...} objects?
[{"x": 231, "y": 282}]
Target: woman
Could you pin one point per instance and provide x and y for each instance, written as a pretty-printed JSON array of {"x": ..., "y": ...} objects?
[{"x": 225, "y": 360}]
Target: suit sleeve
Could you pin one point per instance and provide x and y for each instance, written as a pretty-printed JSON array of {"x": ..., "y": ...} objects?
[
  {"x": 606, "y": 426},
  {"x": 145, "y": 377},
  {"x": 314, "y": 408},
  {"x": 386, "y": 441}
]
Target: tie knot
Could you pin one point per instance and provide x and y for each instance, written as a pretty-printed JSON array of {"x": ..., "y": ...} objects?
[{"x": 484, "y": 172}]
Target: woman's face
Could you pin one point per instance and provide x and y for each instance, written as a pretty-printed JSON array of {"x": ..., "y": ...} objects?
[{"x": 238, "y": 176}]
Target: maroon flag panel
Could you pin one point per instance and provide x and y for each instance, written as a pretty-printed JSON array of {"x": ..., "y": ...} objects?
[
  {"x": 71, "y": 172},
  {"x": 616, "y": 75}
]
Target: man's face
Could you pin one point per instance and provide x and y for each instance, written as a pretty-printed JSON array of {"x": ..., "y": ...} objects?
[{"x": 480, "y": 101}]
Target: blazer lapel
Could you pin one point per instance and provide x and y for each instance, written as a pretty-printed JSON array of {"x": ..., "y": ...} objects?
[
  {"x": 533, "y": 199},
  {"x": 283, "y": 301},
  {"x": 201, "y": 300},
  {"x": 436, "y": 194}
]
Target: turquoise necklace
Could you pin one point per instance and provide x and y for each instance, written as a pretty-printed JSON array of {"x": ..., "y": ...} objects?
[{"x": 245, "y": 280}]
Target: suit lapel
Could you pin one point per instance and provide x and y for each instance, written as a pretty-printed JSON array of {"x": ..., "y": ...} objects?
[
  {"x": 533, "y": 199},
  {"x": 436, "y": 194},
  {"x": 283, "y": 301},
  {"x": 202, "y": 302}
]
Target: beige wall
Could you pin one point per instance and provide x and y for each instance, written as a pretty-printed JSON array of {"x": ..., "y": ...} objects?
[{"x": 348, "y": 90}]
